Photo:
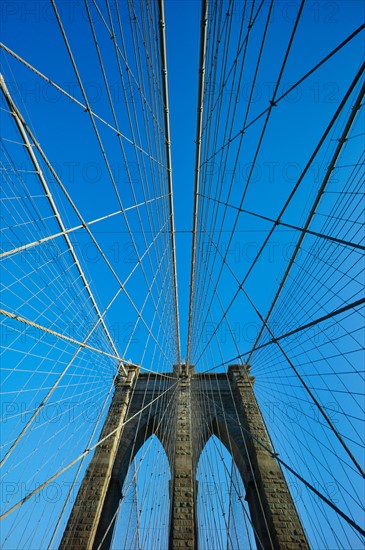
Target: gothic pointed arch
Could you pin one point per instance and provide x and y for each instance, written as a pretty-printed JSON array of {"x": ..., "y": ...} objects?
[
  {"x": 184, "y": 411},
  {"x": 145, "y": 496},
  {"x": 221, "y": 497}
]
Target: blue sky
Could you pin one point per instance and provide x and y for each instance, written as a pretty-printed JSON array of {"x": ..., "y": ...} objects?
[{"x": 43, "y": 284}]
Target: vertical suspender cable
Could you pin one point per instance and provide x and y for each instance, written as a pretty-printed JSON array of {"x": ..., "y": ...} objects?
[
  {"x": 168, "y": 161},
  {"x": 203, "y": 47}
]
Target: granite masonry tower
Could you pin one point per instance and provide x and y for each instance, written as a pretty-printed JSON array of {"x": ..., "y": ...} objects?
[{"x": 233, "y": 416}]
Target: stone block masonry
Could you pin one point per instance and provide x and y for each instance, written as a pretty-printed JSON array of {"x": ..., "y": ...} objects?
[{"x": 195, "y": 406}]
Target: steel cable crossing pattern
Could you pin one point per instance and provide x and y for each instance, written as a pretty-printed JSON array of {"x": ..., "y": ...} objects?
[
  {"x": 211, "y": 311},
  {"x": 147, "y": 208},
  {"x": 233, "y": 51}
]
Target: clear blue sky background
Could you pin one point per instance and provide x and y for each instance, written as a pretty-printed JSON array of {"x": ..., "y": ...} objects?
[{"x": 65, "y": 133}]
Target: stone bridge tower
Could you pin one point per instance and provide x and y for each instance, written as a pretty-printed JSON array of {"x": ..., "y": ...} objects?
[{"x": 228, "y": 407}]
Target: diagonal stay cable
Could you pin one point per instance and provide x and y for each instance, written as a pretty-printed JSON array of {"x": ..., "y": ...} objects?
[
  {"x": 318, "y": 197},
  {"x": 295, "y": 188},
  {"x": 82, "y": 461},
  {"x": 301, "y": 379},
  {"x": 97, "y": 133},
  {"x": 82, "y": 345},
  {"x": 313, "y": 323},
  {"x": 222, "y": 168},
  {"x": 263, "y": 131},
  {"x": 60, "y": 377},
  {"x": 288, "y": 91},
  {"x": 233, "y": 68},
  {"x": 81, "y": 456},
  {"x": 64, "y": 190},
  {"x": 123, "y": 55},
  {"x": 283, "y": 224},
  {"x": 280, "y": 350},
  {"x": 31, "y": 323},
  {"x": 76, "y": 228},
  {"x": 112, "y": 106},
  {"x": 79, "y": 103},
  {"x": 19, "y": 123},
  {"x": 276, "y": 456}
]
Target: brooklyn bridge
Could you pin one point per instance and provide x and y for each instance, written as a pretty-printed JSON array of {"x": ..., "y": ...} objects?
[{"x": 182, "y": 252}]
